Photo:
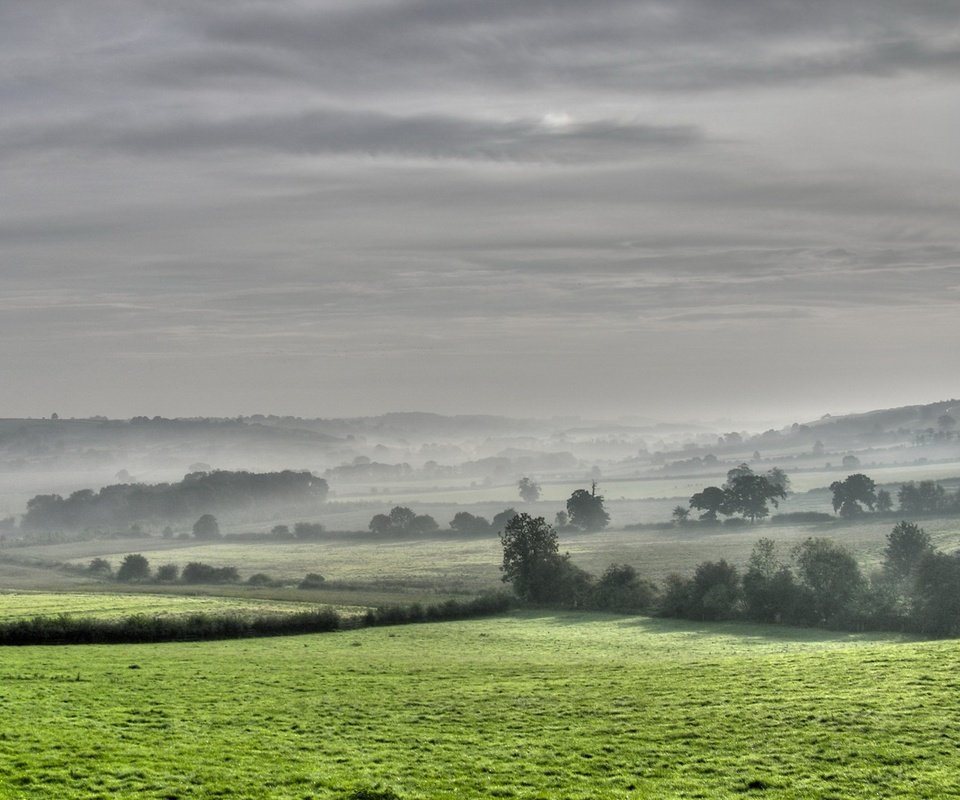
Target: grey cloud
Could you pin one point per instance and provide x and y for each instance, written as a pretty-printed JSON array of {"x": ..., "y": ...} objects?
[
  {"x": 632, "y": 46},
  {"x": 363, "y": 133}
]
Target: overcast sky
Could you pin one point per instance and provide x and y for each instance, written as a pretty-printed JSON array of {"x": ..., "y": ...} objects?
[{"x": 537, "y": 207}]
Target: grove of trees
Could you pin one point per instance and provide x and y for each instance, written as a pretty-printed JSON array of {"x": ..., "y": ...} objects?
[{"x": 198, "y": 493}]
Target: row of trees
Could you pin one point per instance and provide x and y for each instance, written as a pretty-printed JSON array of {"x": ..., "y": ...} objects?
[
  {"x": 917, "y": 588},
  {"x": 135, "y": 568},
  {"x": 744, "y": 492},
  {"x": 585, "y": 511},
  {"x": 857, "y": 493},
  {"x": 199, "y": 492}
]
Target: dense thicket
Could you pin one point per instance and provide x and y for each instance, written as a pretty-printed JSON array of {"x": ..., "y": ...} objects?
[{"x": 197, "y": 493}]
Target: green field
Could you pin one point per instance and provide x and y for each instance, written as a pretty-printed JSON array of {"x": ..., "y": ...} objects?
[
  {"x": 102, "y": 605},
  {"x": 450, "y": 565},
  {"x": 524, "y": 706}
]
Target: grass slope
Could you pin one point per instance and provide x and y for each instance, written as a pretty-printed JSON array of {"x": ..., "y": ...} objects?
[
  {"x": 525, "y": 706},
  {"x": 25, "y": 605}
]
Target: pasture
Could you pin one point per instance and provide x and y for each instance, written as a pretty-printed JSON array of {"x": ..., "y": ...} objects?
[
  {"x": 103, "y": 605},
  {"x": 523, "y": 706},
  {"x": 420, "y": 569}
]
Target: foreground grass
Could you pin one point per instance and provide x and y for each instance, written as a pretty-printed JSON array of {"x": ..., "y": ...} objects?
[{"x": 567, "y": 705}]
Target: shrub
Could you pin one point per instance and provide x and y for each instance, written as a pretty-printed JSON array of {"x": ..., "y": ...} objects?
[
  {"x": 312, "y": 581},
  {"x": 168, "y": 573},
  {"x": 260, "y": 579},
  {"x": 135, "y": 567},
  {"x": 198, "y": 572}
]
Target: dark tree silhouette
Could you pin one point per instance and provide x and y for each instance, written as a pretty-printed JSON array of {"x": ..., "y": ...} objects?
[
  {"x": 135, "y": 567},
  {"x": 853, "y": 490},
  {"x": 531, "y": 557},
  {"x": 586, "y": 509},
  {"x": 206, "y": 527}
]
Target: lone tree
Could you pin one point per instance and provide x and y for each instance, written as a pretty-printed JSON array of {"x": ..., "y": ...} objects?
[
  {"x": 529, "y": 491},
  {"x": 531, "y": 557},
  {"x": 747, "y": 493},
  {"x": 206, "y": 527},
  {"x": 853, "y": 490},
  {"x": 586, "y": 509}
]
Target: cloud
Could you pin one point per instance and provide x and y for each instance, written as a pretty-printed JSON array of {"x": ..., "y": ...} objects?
[{"x": 339, "y": 132}]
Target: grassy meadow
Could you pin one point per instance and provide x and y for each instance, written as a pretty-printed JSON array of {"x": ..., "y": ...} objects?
[
  {"x": 527, "y": 706},
  {"x": 110, "y": 605},
  {"x": 367, "y": 572}
]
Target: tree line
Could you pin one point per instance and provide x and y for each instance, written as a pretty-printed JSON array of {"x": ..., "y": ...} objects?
[
  {"x": 584, "y": 511},
  {"x": 917, "y": 588},
  {"x": 198, "y": 492},
  {"x": 858, "y": 493}
]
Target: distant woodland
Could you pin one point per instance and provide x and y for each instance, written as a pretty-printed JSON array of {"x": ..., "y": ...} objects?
[{"x": 197, "y": 493}]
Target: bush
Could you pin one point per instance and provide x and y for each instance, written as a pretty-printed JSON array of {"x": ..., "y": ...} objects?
[
  {"x": 198, "y": 572},
  {"x": 168, "y": 573},
  {"x": 621, "y": 589},
  {"x": 99, "y": 566},
  {"x": 135, "y": 567},
  {"x": 259, "y": 579},
  {"x": 312, "y": 581}
]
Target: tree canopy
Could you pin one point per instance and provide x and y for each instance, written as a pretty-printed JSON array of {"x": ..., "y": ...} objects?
[{"x": 586, "y": 510}]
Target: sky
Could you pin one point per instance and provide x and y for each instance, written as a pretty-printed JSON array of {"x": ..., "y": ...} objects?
[{"x": 684, "y": 209}]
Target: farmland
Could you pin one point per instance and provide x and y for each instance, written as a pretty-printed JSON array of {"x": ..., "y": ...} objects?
[
  {"x": 417, "y": 569},
  {"x": 102, "y": 605},
  {"x": 527, "y": 705}
]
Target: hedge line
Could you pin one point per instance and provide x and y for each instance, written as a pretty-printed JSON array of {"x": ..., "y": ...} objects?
[{"x": 141, "y": 629}]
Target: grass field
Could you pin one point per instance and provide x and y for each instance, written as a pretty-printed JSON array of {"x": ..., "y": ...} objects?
[
  {"x": 102, "y": 605},
  {"x": 393, "y": 571},
  {"x": 523, "y": 706}
]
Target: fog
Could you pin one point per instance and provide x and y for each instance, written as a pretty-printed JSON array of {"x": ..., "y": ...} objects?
[{"x": 445, "y": 464}]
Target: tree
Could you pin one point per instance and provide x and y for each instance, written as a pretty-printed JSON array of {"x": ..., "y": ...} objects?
[
  {"x": 927, "y": 497},
  {"x": 529, "y": 491},
  {"x": 831, "y": 574},
  {"x": 99, "y": 566},
  {"x": 621, "y": 589},
  {"x": 586, "y": 509},
  {"x": 500, "y": 520},
  {"x": 715, "y": 590},
  {"x": 936, "y": 597},
  {"x": 206, "y": 527},
  {"x": 907, "y": 544},
  {"x": 531, "y": 557},
  {"x": 401, "y": 518},
  {"x": 380, "y": 523},
  {"x": 884, "y": 501},
  {"x": 135, "y": 567},
  {"x": 680, "y": 514},
  {"x": 747, "y": 493},
  {"x": 710, "y": 501},
  {"x": 770, "y": 591},
  {"x": 168, "y": 573},
  {"x": 853, "y": 490},
  {"x": 850, "y": 462},
  {"x": 312, "y": 580},
  {"x": 466, "y": 523}
]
